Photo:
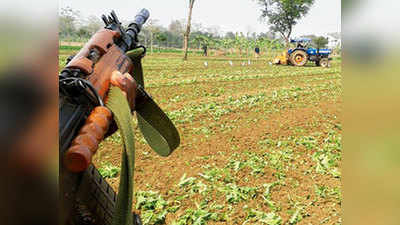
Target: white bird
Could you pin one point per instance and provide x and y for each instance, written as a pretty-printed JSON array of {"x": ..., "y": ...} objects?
[
  {"x": 270, "y": 63},
  {"x": 248, "y": 62},
  {"x": 205, "y": 64},
  {"x": 230, "y": 63}
]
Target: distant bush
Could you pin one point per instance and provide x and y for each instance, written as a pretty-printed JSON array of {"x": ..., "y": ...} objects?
[
  {"x": 166, "y": 50},
  {"x": 67, "y": 47},
  {"x": 173, "y": 50}
]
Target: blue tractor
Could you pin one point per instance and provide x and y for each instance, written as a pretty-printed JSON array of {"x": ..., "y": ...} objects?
[{"x": 300, "y": 55}]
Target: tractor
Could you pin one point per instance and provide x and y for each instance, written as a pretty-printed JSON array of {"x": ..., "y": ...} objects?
[{"x": 300, "y": 55}]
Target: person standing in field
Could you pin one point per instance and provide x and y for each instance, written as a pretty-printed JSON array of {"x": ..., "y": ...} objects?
[
  {"x": 205, "y": 50},
  {"x": 257, "y": 51}
]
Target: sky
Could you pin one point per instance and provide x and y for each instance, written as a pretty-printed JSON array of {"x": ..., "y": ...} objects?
[{"x": 237, "y": 16}]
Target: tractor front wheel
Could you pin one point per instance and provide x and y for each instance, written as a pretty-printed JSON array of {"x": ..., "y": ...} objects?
[
  {"x": 298, "y": 58},
  {"x": 324, "y": 62}
]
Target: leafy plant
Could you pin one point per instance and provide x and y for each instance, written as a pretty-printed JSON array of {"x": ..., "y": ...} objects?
[
  {"x": 200, "y": 215},
  {"x": 271, "y": 218},
  {"x": 184, "y": 182},
  {"x": 109, "y": 170},
  {"x": 153, "y": 207},
  {"x": 235, "y": 194},
  {"x": 296, "y": 216}
]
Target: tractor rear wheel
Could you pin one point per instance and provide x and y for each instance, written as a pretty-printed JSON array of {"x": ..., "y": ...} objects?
[
  {"x": 324, "y": 62},
  {"x": 298, "y": 58}
]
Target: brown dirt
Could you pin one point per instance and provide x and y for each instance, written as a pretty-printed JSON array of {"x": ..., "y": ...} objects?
[{"x": 306, "y": 114}]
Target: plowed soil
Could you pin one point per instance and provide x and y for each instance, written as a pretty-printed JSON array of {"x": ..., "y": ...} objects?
[{"x": 243, "y": 128}]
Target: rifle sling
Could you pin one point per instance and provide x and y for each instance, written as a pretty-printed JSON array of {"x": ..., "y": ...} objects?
[
  {"x": 118, "y": 104},
  {"x": 157, "y": 129}
]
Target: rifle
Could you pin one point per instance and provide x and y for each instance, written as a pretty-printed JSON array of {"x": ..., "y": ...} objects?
[{"x": 86, "y": 198}]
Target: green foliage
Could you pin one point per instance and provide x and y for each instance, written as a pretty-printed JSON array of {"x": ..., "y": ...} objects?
[
  {"x": 320, "y": 191},
  {"x": 161, "y": 37},
  {"x": 317, "y": 41},
  {"x": 296, "y": 216},
  {"x": 321, "y": 42},
  {"x": 91, "y": 25},
  {"x": 254, "y": 216},
  {"x": 235, "y": 194},
  {"x": 202, "y": 214},
  {"x": 186, "y": 181},
  {"x": 153, "y": 206},
  {"x": 199, "y": 216},
  {"x": 68, "y": 20},
  {"x": 284, "y": 14},
  {"x": 254, "y": 162},
  {"x": 328, "y": 157},
  {"x": 70, "y": 48},
  {"x": 73, "y": 27},
  {"x": 109, "y": 171}
]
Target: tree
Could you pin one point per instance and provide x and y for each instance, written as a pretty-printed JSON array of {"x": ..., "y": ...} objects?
[
  {"x": 161, "y": 37},
  {"x": 241, "y": 42},
  {"x": 200, "y": 40},
  {"x": 83, "y": 32},
  {"x": 187, "y": 33},
  {"x": 320, "y": 42},
  {"x": 94, "y": 24},
  {"x": 176, "y": 30},
  {"x": 317, "y": 41},
  {"x": 228, "y": 43},
  {"x": 230, "y": 35},
  {"x": 283, "y": 15},
  {"x": 153, "y": 28},
  {"x": 176, "y": 27},
  {"x": 68, "y": 21},
  {"x": 89, "y": 27},
  {"x": 72, "y": 24}
]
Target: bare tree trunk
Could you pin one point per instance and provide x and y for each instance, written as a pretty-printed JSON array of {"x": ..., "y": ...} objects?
[
  {"x": 145, "y": 39},
  {"x": 287, "y": 43},
  {"x": 151, "y": 42},
  {"x": 286, "y": 38},
  {"x": 187, "y": 33}
]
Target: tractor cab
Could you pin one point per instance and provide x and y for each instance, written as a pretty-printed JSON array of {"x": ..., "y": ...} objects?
[{"x": 301, "y": 43}]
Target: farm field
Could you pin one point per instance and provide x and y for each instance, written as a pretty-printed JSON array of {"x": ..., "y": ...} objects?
[{"x": 260, "y": 144}]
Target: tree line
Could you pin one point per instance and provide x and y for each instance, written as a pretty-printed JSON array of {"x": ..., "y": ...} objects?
[{"x": 74, "y": 27}]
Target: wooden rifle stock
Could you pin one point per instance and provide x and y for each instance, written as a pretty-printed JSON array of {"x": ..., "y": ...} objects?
[{"x": 98, "y": 59}]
